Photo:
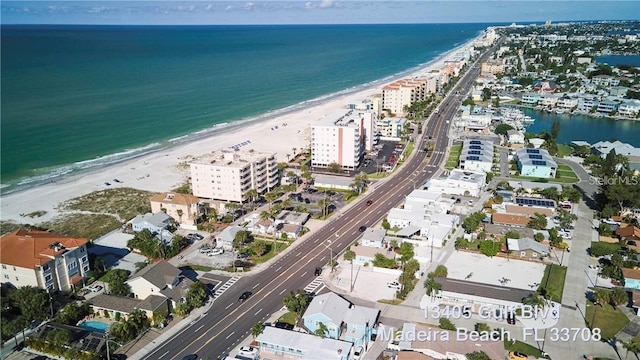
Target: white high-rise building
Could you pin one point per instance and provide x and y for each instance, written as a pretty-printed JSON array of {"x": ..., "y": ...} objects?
[
  {"x": 228, "y": 175},
  {"x": 405, "y": 92},
  {"x": 340, "y": 138}
]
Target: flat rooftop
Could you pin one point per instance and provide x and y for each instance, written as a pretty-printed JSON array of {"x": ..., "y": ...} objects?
[{"x": 230, "y": 158}]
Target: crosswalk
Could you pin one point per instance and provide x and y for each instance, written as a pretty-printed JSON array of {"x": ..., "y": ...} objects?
[
  {"x": 226, "y": 285},
  {"x": 315, "y": 286}
]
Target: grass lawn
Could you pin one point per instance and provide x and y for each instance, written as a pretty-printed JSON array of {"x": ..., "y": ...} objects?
[
  {"x": 197, "y": 267},
  {"x": 524, "y": 348},
  {"x": 454, "y": 156},
  {"x": 281, "y": 245},
  {"x": 565, "y": 174},
  {"x": 289, "y": 318},
  {"x": 564, "y": 150},
  {"x": 390, "y": 302},
  {"x": 609, "y": 319},
  {"x": 553, "y": 281}
]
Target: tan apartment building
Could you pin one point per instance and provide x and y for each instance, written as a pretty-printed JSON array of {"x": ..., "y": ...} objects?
[
  {"x": 228, "y": 175},
  {"x": 43, "y": 259},
  {"x": 405, "y": 92},
  {"x": 493, "y": 67},
  {"x": 183, "y": 208}
]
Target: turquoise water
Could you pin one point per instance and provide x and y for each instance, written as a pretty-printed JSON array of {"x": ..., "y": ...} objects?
[
  {"x": 97, "y": 326},
  {"x": 586, "y": 128},
  {"x": 614, "y": 60},
  {"x": 79, "y": 97}
]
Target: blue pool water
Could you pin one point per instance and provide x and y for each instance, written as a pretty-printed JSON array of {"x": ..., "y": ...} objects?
[{"x": 96, "y": 326}]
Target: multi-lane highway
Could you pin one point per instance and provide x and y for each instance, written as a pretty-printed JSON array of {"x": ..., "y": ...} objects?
[{"x": 229, "y": 321}]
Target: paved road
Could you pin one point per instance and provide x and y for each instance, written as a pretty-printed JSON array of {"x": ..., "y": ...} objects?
[{"x": 229, "y": 321}]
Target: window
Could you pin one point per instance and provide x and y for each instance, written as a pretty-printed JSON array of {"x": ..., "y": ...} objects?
[
  {"x": 82, "y": 249},
  {"x": 72, "y": 265},
  {"x": 4, "y": 266},
  {"x": 85, "y": 269},
  {"x": 535, "y": 255},
  {"x": 17, "y": 279},
  {"x": 45, "y": 267},
  {"x": 14, "y": 268},
  {"x": 6, "y": 276},
  {"x": 85, "y": 259},
  {"x": 523, "y": 254},
  {"x": 47, "y": 278}
]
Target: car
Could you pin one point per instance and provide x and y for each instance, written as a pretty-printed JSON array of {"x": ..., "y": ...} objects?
[
  {"x": 515, "y": 355},
  {"x": 632, "y": 243},
  {"x": 283, "y": 325},
  {"x": 95, "y": 288},
  {"x": 318, "y": 271},
  {"x": 307, "y": 201},
  {"x": 511, "y": 318},
  {"x": 362, "y": 228},
  {"x": 394, "y": 285},
  {"x": 190, "y": 357},
  {"x": 243, "y": 256},
  {"x": 248, "y": 351},
  {"x": 206, "y": 250},
  {"x": 215, "y": 252},
  {"x": 357, "y": 353},
  {"x": 245, "y": 295},
  {"x": 310, "y": 296},
  {"x": 369, "y": 202}
]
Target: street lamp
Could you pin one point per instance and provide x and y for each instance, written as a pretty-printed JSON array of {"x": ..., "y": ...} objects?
[
  {"x": 50, "y": 301},
  {"x": 330, "y": 254}
]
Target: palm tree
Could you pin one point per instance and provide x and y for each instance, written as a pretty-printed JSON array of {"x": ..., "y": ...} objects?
[
  {"x": 257, "y": 329},
  {"x": 432, "y": 286},
  {"x": 601, "y": 296},
  {"x": 534, "y": 300},
  {"x": 324, "y": 204},
  {"x": 632, "y": 346},
  {"x": 270, "y": 197},
  {"x": 322, "y": 330},
  {"x": 294, "y": 149},
  {"x": 179, "y": 212}
]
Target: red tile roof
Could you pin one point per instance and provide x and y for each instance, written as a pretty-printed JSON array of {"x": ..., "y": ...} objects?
[
  {"x": 31, "y": 248},
  {"x": 629, "y": 232}
]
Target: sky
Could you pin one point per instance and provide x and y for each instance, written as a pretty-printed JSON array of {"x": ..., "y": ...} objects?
[{"x": 242, "y": 12}]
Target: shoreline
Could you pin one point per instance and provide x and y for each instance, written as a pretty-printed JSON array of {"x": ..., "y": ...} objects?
[{"x": 163, "y": 169}]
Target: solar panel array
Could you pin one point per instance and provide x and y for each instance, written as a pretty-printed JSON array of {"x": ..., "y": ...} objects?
[
  {"x": 475, "y": 147},
  {"x": 533, "y": 151},
  {"x": 535, "y": 156},
  {"x": 535, "y": 202},
  {"x": 539, "y": 163},
  {"x": 474, "y": 152},
  {"x": 475, "y": 142},
  {"x": 90, "y": 343},
  {"x": 473, "y": 158}
]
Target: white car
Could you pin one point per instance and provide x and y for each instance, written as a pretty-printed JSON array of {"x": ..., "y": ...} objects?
[
  {"x": 216, "y": 252},
  {"x": 249, "y": 351},
  {"x": 357, "y": 353},
  {"x": 94, "y": 288},
  {"x": 394, "y": 285}
]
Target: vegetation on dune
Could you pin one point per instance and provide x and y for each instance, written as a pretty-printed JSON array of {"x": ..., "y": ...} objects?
[
  {"x": 90, "y": 226},
  {"x": 126, "y": 203}
]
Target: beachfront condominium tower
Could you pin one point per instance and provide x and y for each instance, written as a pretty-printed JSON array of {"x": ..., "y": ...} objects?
[
  {"x": 406, "y": 92},
  {"x": 340, "y": 138},
  {"x": 44, "y": 260},
  {"x": 228, "y": 175}
]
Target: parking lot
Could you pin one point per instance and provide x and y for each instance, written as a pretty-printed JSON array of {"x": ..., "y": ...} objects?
[
  {"x": 366, "y": 283},
  {"x": 379, "y": 157},
  {"x": 480, "y": 268}
]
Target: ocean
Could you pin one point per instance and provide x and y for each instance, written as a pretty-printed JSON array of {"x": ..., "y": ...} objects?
[{"x": 80, "y": 97}]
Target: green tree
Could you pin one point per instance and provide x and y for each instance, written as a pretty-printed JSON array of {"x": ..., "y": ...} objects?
[
  {"x": 446, "y": 324},
  {"x": 32, "y": 302},
  {"x": 538, "y": 237},
  {"x": 259, "y": 247},
  {"x": 296, "y": 302},
  {"x": 257, "y": 329},
  {"x": 534, "y": 300},
  {"x": 486, "y": 94},
  {"x": 477, "y": 355},
  {"x": 385, "y": 224},
  {"x": 406, "y": 252},
  {"x": 489, "y": 248},
  {"x": 538, "y": 222},
  {"x": 349, "y": 255},
  {"x": 441, "y": 271},
  {"x": 472, "y": 222},
  {"x": 73, "y": 312},
  {"x": 322, "y": 330},
  {"x": 601, "y": 296},
  {"x": 380, "y": 260},
  {"x": 115, "y": 280},
  {"x": 619, "y": 297},
  {"x": 334, "y": 167},
  {"x": 431, "y": 285},
  {"x": 482, "y": 328},
  {"x": 240, "y": 239},
  {"x": 632, "y": 346},
  {"x": 197, "y": 295}
]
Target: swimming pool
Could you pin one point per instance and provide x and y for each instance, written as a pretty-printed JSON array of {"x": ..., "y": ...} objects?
[{"x": 96, "y": 326}]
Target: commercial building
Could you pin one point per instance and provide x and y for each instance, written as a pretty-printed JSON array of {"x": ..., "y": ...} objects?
[
  {"x": 276, "y": 343},
  {"x": 493, "y": 67},
  {"x": 536, "y": 163},
  {"x": 390, "y": 128},
  {"x": 228, "y": 175},
  {"x": 340, "y": 139},
  {"x": 43, "y": 259},
  {"x": 476, "y": 155},
  {"x": 459, "y": 182}
]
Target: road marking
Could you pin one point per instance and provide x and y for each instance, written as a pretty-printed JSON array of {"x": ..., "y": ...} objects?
[
  {"x": 298, "y": 254},
  {"x": 161, "y": 356},
  {"x": 256, "y": 285},
  {"x": 228, "y": 306},
  {"x": 305, "y": 273},
  {"x": 258, "y": 312},
  {"x": 324, "y": 257},
  {"x": 228, "y": 336},
  {"x": 278, "y": 269},
  {"x": 283, "y": 291},
  {"x": 201, "y": 326}
]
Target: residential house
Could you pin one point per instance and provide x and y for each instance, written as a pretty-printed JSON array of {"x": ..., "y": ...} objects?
[
  {"x": 292, "y": 217},
  {"x": 183, "y": 208},
  {"x": 275, "y": 343},
  {"x": 366, "y": 254},
  {"x": 618, "y": 91},
  {"x": 44, "y": 260},
  {"x": 515, "y": 137},
  {"x": 225, "y": 238},
  {"x": 548, "y": 100},
  {"x": 587, "y": 104},
  {"x": 526, "y": 248},
  {"x": 607, "y": 106},
  {"x": 120, "y": 306},
  {"x": 459, "y": 182},
  {"x": 628, "y": 233},
  {"x": 530, "y": 98},
  {"x": 161, "y": 279},
  {"x": 510, "y": 219},
  {"x": 605, "y": 80},
  {"x": 291, "y": 231},
  {"x": 629, "y": 108},
  {"x": 156, "y": 223},
  {"x": 476, "y": 155},
  {"x": 536, "y": 163},
  {"x": 373, "y": 238},
  {"x": 567, "y": 103},
  {"x": 343, "y": 319},
  {"x": 406, "y": 340},
  {"x": 631, "y": 278}
]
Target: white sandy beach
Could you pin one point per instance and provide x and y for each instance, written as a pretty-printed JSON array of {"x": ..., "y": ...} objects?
[{"x": 161, "y": 171}]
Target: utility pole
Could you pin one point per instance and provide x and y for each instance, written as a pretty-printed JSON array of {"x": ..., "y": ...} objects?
[{"x": 351, "y": 279}]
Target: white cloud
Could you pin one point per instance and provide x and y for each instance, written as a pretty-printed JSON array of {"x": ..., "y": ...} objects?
[
  {"x": 228, "y": 8},
  {"x": 209, "y": 7},
  {"x": 249, "y": 5},
  {"x": 309, "y": 5},
  {"x": 326, "y": 3}
]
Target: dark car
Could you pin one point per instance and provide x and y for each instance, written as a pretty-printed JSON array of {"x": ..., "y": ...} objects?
[
  {"x": 190, "y": 357},
  {"x": 318, "y": 271},
  {"x": 362, "y": 228},
  {"x": 369, "y": 202},
  {"x": 245, "y": 295},
  {"x": 632, "y": 243},
  {"x": 283, "y": 325}
]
